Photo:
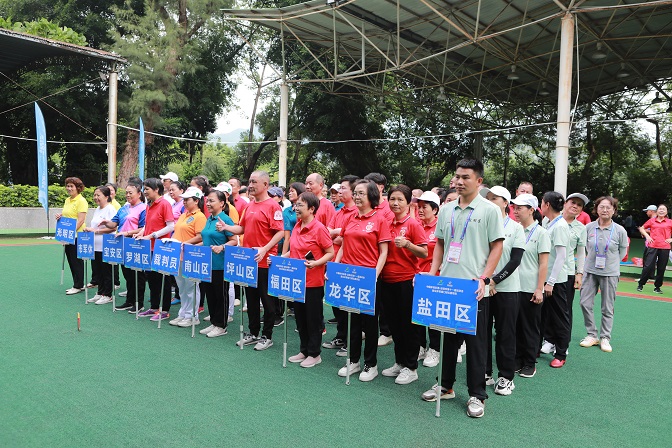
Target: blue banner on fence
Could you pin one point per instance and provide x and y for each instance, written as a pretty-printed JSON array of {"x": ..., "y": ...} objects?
[
  {"x": 240, "y": 267},
  {"x": 141, "y": 151},
  {"x": 66, "y": 230},
  {"x": 166, "y": 257},
  {"x": 287, "y": 279},
  {"x": 42, "y": 175},
  {"x": 85, "y": 245},
  {"x": 445, "y": 304},
  {"x": 351, "y": 286},
  {"x": 137, "y": 254},
  {"x": 197, "y": 264},
  {"x": 113, "y": 249}
]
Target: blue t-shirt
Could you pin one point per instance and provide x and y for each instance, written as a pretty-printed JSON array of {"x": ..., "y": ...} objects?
[
  {"x": 339, "y": 206},
  {"x": 212, "y": 237}
]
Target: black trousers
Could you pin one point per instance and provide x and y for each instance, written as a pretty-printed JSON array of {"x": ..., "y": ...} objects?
[
  {"x": 104, "y": 274},
  {"x": 383, "y": 324},
  {"x": 129, "y": 275},
  {"x": 341, "y": 324},
  {"x": 477, "y": 351},
  {"x": 527, "y": 330},
  {"x": 504, "y": 309},
  {"x": 154, "y": 280},
  {"x": 76, "y": 265},
  {"x": 254, "y": 312},
  {"x": 398, "y": 303},
  {"x": 115, "y": 276},
  {"x": 656, "y": 260},
  {"x": 555, "y": 320},
  {"x": 571, "y": 292},
  {"x": 434, "y": 337},
  {"x": 369, "y": 325},
  {"x": 173, "y": 283},
  {"x": 218, "y": 299},
  {"x": 309, "y": 316}
]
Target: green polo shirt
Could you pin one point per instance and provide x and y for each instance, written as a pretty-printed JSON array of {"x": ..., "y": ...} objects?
[
  {"x": 537, "y": 243},
  {"x": 485, "y": 226},
  {"x": 513, "y": 237},
  {"x": 558, "y": 232},
  {"x": 577, "y": 238}
]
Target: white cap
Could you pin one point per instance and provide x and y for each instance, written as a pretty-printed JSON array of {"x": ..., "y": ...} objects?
[
  {"x": 170, "y": 175},
  {"x": 583, "y": 197},
  {"x": 650, "y": 208},
  {"x": 526, "y": 199},
  {"x": 224, "y": 187},
  {"x": 429, "y": 196},
  {"x": 336, "y": 187},
  {"x": 192, "y": 192},
  {"x": 497, "y": 190}
]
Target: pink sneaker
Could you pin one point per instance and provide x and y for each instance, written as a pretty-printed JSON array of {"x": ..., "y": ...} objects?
[
  {"x": 311, "y": 361},
  {"x": 557, "y": 363},
  {"x": 148, "y": 313},
  {"x": 159, "y": 316},
  {"x": 297, "y": 358}
]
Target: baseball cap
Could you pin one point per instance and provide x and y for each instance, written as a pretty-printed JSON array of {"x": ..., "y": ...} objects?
[
  {"x": 497, "y": 190},
  {"x": 170, "y": 175},
  {"x": 526, "y": 199},
  {"x": 429, "y": 196},
  {"x": 583, "y": 197},
  {"x": 192, "y": 192},
  {"x": 336, "y": 187},
  {"x": 224, "y": 187},
  {"x": 275, "y": 191},
  {"x": 651, "y": 208}
]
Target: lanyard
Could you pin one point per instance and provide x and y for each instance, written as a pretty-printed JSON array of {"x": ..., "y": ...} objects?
[
  {"x": 553, "y": 222},
  {"x": 506, "y": 222},
  {"x": 606, "y": 246},
  {"x": 529, "y": 235},
  {"x": 464, "y": 230}
]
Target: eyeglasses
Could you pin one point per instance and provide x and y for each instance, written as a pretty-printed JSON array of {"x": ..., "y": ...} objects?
[{"x": 358, "y": 194}]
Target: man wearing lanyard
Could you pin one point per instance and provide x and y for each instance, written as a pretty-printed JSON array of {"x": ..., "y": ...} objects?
[{"x": 469, "y": 243}]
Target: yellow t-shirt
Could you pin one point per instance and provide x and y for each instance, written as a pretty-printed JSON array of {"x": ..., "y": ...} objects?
[
  {"x": 233, "y": 214},
  {"x": 73, "y": 207},
  {"x": 115, "y": 204}
]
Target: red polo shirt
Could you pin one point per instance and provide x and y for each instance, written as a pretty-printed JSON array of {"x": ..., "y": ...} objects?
[
  {"x": 339, "y": 219},
  {"x": 261, "y": 221},
  {"x": 384, "y": 206},
  {"x": 659, "y": 231},
  {"x": 361, "y": 236},
  {"x": 312, "y": 238},
  {"x": 157, "y": 215},
  {"x": 325, "y": 212},
  {"x": 240, "y": 204},
  {"x": 401, "y": 264},
  {"x": 425, "y": 263}
]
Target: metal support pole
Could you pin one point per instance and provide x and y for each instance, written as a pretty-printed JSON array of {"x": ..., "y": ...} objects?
[
  {"x": 564, "y": 103},
  {"x": 112, "y": 126}
]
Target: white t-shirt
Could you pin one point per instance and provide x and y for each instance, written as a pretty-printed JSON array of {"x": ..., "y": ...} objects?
[{"x": 98, "y": 215}]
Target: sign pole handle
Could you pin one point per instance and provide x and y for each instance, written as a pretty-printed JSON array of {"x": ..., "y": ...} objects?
[
  {"x": 163, "y": 283},
  {"x": 284, "y": 345},
  {"x": 114, "y": 304},
  {"x": 243, "y": 304},
  {"x": 347, "y": 360},
  {"x": 438, "y": 382},
  {"x": 63, "y": 264},
  {"x": 86, "y": 290},
  {"x": 194, "y": 311},
  {"x": 137, "y": 289}
]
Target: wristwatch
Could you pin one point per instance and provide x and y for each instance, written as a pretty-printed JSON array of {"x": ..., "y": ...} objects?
[{"x": 485, "y": 279}]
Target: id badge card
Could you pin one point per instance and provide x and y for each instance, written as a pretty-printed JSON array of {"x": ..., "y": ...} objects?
[
  {"x": 600, "y": 261},
  {"x": 454, "y": 251}
]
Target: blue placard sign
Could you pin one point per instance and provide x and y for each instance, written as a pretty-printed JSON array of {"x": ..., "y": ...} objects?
[
  {"x": 137, "y": 254},
  {"x": 197, "y": 263},
  {"x": 287, "y": 279},
  {"x": 240, "y": 267},
  {"x": 113, "y": 249},
  {"x": 445, "y": 304},
  {"x": 352, "y": 288},
  {"x": 166, "y": 257},
  {"x": 85, "y": 245},
  {"x": 66, "y": 230}
]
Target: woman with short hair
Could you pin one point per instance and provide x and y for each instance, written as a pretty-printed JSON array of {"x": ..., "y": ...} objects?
[
  {"x": 75, "y": 207},
  {"x": 658, "y": 234},
  {"x": 100, "y": 270}
]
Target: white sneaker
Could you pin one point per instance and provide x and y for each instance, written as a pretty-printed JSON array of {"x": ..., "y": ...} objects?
[
  {"x": 547, "y": 347},
  {"x": 368, "y": 374},
  {"x": 103, "y": 300},
  {"x": 236, "y": 302},
  {"x": 459, "y": 357},
  {"x": 230, "y": 319},
  {"x": 504, "y": 386},
  {"x": 207, "y": 330},
  {"x": 122, "y": 294},
  {"x": 430, "y": 395},
  {"x": 184, "y": 323},
  {"x": 422, "y": 353},
  {"x": 406, "y": 376},
  {"x": 354, "y": 368},
  {"x": 94, "y": 299},
  {"x": 431, "y": 358},
  {"x": 263, "y": 344},
  {"x": 207, "y": 318},
  {"x": 589, "y": 341},
  {"x": 392, "y": 371},
  {"x": 217, "y": 331},
  {"x": 489, "y": 381},
  {"x": 175, "y": 321},
  {"x": 475, "y": 407},
  {"x": 605, "y": 345},
  {"x": 384, "y": 340},
  {"x": 463, "y": 349},
  {"x": 71, "y": 291}
]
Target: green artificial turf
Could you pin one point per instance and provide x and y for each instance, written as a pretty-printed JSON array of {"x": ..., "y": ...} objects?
[{"x": 122, "y": 382}]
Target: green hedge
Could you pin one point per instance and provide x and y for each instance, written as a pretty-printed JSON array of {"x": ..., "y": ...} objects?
[{"x": 26, "y": 196}]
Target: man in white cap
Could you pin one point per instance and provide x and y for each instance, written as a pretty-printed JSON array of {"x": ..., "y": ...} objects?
[
  {"x": 168, "y": 179},
  {"x": 335, "y": 198}
]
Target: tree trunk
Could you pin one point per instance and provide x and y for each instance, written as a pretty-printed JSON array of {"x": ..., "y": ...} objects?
[{"x": 129, "y": 160}]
